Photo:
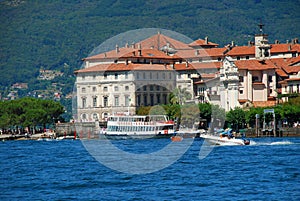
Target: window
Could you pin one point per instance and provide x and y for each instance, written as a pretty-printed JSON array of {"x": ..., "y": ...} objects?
[
  {"x": 157, "y": 88},
  {"x": 270, "y": 78},
  {"x": 255, "y": 79},
  {"x": 126, "y": 88},
  {"x": 164, "y": 76},
  {"x": 144, "y": 75},
  {"x": 238, "y": 58},
  {"x": 83, "y": 77},
  {"x": 145, "y": 88},
  {"x": 151, "y": 87},
  {"x": 247, "y": 57},
  {"x": 95, "y": 116},
  {"x": 139, "y": 100},
  {"x": 105, "y": 89},
  {"x": 126, "y": 75},
  {"x": 116, "y": 88},
  {"x": 94, "y": 89},
  {"x": 145, "y": 99},
  {"x": 189, "y": 75},
  {"x": 105, "y": 101},
  {"x": 170, "y": 76},
  {"x": 150, "y": 75},
  {"x": 105, "y": 76},
  {"x": 94, "y": 77},
  {"x": 116, "y": 100},
  {"x": 138, "y": 76},
  {"x": 127, "y": 100},
  {"x": 219, "y": 58},
  {"x": 116, "y": 76},
  {"x": 95, "y": 101},
  {"x": 151, "y": 99},
  {"x": 179, "y": 76},
  {"x": 83, "y": 90},
  {"x": 241, "y": 78},
  {"x": 241, "y": 91},
  {"x": 158, "y": 98},
  {"x": 83, "y": 102}
]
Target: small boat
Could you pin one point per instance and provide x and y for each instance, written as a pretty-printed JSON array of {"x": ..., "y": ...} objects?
[
  {"x": 176, "y": 138},
  {"x": 224, "y": 138},
  {"x": 139, "y": 126}
]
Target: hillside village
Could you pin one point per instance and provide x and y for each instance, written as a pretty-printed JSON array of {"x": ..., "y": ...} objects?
[{"x": 145, "y": 73}]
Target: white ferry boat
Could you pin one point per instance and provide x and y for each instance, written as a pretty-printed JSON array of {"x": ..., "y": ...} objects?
[{"x": 138, "y": 126}]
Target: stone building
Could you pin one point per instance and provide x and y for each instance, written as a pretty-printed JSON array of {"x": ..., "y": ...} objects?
[{"x": 145, "y": 73}]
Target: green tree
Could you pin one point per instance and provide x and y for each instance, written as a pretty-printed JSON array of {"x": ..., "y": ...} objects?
[
  {"x": 179, "y": 96},
  {"x": 237, "y": 118}
]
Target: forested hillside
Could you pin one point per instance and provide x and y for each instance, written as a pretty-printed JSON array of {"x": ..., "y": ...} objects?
[{"x": 57, "y": 34}]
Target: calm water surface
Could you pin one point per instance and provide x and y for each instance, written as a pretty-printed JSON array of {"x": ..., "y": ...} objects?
[{"x": 64, "y": 170}]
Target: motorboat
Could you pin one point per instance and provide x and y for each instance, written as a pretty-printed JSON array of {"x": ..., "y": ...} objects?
[{"x": 224, "y": 137}]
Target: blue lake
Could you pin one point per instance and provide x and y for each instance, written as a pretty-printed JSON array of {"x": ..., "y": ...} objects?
[{"x": 269, "y": 169}]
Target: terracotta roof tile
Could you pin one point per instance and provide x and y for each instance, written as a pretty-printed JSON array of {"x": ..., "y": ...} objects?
[
  {"x": 201, "y": 42},
  {"x": 254, "y": 65},
  {"x": 159, "y": 40},
  {"x": 148, "y": 54},
  {"x": 198, "y": 66},
  {"x": 210, "y": 52},
  {"x": 279, "y": 48},
  {"x": 242, "y": 50},
  {"x": 113, "y": 54}
]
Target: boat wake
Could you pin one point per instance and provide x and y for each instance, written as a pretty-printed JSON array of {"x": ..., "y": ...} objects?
[{"x": 253, "y": 143}]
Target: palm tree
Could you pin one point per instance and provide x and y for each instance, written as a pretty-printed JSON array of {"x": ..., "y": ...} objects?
[{"x": 180, "y": 96}]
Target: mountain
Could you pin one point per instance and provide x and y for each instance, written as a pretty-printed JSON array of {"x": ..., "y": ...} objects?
[{"x": 57, "y": 34}]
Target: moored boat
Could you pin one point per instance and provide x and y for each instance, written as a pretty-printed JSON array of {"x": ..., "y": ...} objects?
[{"x": 139, "y": 126}]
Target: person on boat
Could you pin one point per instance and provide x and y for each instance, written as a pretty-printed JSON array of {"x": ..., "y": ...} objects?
[{"x": 229, "y": 133}]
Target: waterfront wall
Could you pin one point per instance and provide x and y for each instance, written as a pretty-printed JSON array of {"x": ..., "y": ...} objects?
[{"x": 83, "y": 130}]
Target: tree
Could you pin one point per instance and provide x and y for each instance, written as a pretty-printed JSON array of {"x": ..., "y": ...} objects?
[
  {"x": 237, "y": 118},
  {"x": 180, "y": 96}
]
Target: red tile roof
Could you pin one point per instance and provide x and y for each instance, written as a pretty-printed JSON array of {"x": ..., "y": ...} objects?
[
  {"x": 242, "y": 50},
  {"x": 198, "y": 66},
  {"x": 286, "y": 64},
  {"x": 211, "y": 52},
  {"x": 159, "y": 40},
  {"x": 201, "y": 42},
  {"x": 254, "y": 65},
  {"x": 149, "y": 54},
  {"x": 281, "y": 48},
  {"x": 113, "y": 54}
]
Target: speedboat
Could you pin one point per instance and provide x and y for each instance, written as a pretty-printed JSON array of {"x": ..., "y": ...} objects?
[{"x": 224, "y": 138}]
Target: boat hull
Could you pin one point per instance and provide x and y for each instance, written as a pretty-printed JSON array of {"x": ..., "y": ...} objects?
[{"x": 218, "y": 140}]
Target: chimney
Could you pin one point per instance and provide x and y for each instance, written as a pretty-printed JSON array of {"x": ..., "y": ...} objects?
[
  {"x": 132, "y": 45},
  {"x": 290, "y": 48},
  {"x": 232, "y": 44},
  {"x": 117, "y": 49},
  {"x": 140, "y": 52},
  {"x": 127, "y": 45},
  {"x": 105, "y": 54},
  {"x": 139, "y": 46},
  {"x": 296, "y": 41},
  {"x": 287, "y": 41},
  {"x": 249, "y": 43},
  {"x": 186, "y": 64},
  {"x": 276, "y": 41},
  {"x": 196, "y": 52},
  {"x": 206, "y": 39}
]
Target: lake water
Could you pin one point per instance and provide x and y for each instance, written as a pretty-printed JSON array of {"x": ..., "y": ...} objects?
[{"x": 269, "y": 169}]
